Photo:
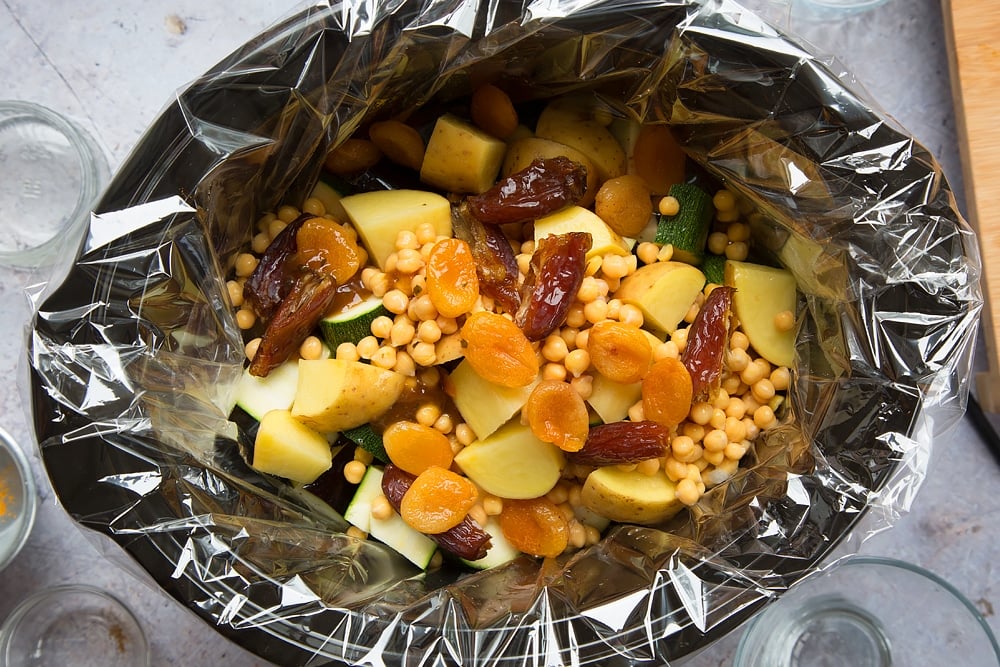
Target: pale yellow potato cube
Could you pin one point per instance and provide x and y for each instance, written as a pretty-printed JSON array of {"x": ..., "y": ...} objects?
[
  {"x": 461, "y": 158},
  {"x": 579, "y": 219},
  {"x": 288, "y": 448},
  {"x": 379, "y": 216},
  {"x": 336, "y": 395}
]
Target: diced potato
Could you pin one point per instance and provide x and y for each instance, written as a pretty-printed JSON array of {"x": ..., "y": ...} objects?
[
  {"x": 331, "y": 200},
  {"x": 288, "y": 448},
  {"x": 569, "y": 121},
  {"x": 380, "y": 215},
  {"x": 523, "y": 152},
  {"x": 611, "y": 400},
  {"x": 461, "y": 158},
  {"x": 485, "y": 406},
  {"x": 651, "y": 152},
  {"x": 664, "y": 291},
  {"x": 336, "y": 395},
  {"x": 579, "y": 219},
  {"x": 761, "y": 293},
  {"x": 512, "y": 463},
  {"x": 630, "y": 496}
]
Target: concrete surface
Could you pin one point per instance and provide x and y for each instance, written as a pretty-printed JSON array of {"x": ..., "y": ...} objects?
[{"x": 81, "y": 60}]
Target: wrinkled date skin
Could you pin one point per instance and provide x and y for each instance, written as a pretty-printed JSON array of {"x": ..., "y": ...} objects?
[
  {"x": 557, "y": 270},
  {"x": 269, "y": 283},
  {"x": 707, "y": 340},
  {"x": 496, "y": 265},
  {"x": 543, "y": 187},
  {"x": 622, "y": 442},
  {"x": 298, "y": 314},
  {"x": 466, "y": 540}
]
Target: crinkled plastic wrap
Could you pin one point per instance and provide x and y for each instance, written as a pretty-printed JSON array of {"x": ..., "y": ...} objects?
[{"x": 135, "y": 356}]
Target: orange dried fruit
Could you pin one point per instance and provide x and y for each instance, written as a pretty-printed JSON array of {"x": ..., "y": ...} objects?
[
  {"x": 415, "y": 447},
  {"x": 498, "y": 350},
  {"x": 452, "y": 283},
  {"x": 667, "y": 392},
  {"x": 620, "y": 352},
  {"x": 556, "y": 413},
  {"x": 438, "y": 500},
  {"x": 535, "y": 526},
  {"x": 327, "y": 248}
]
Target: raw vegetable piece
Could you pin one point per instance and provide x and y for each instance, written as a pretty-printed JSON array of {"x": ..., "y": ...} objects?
[
  {"x": 352, "y": 324},
  {"x": 286, "y": 447},
  {"x": 630, "y": 496},
  {"x": 460, "y": 157},
  {"x": 257, "y": 396},
  {"x": 492, "y": 110},
  {"x": 622, "y": 442},
  {"x": 295, "y": 319},
  {"x": 543, "y": 187},
  {"x": 330, "y": 196},
  {"x": 664, "y": 291},
  {"x": 651, "y": 153},
  {"x": 524, "y": 151},
  {"x": 465, "y": 540},
  {"x": 438, "y": 500},
  {"x": 611, "y": 400},
  {"x": 535, "y": 526},
  {"x": 761, "y": 293},
  {"x": 604, "y": 240},
  {"x": 512, "y": 463},
  {"x": 501, "y": 551},
  {"x": 687, "y": 231},
  {"x": 570, "y": 121},
  {"x": 359, "y": 510},
  {"x": 415, "y": 447},
  {"x": 380, "y": 215},
  {"x": 714, "y": 268},
  {"x": 556, "y": 413},
  {"x": 667, "y": 392},
  {"x": 554, "y": 277},
  {"x": 368, "y": 439},
  {"x": 485, "y": 406},
  {"x": 707, "y": 341},
  {"x": 452, "y": 281},
  {"x": 496, "y": 265},
  {"x": 336, "y": 395},
  {"x": 498, "y": 350}
]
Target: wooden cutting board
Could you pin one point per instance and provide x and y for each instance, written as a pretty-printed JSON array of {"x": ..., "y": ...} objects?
[{"x": 972, "y": 28}]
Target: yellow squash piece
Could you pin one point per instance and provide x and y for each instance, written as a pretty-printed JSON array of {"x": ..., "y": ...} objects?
[
  {"x": 512, "y": 463},
  {"x": 461, "y": 158},
  {"x": 336, "y": 395},
  {"x": 288, "y": 448},
  {"x": 380, "y": 215},
  {"x": 664, "y": 291},
  {"x": 630, "y": 496}
]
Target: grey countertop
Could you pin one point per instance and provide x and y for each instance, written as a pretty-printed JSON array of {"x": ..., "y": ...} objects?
[{"x": 79, "y": 59}]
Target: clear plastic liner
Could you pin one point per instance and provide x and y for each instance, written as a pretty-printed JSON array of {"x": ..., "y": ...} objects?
[{"x": 135, "y": 356}]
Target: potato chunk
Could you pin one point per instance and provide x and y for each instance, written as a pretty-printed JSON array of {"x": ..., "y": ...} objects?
[
  {"x": 288, "y": 448},
  {"x": 461, "y": 158}
]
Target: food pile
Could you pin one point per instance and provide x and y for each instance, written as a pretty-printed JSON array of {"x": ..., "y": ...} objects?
[{"x": 558, "y": 327}]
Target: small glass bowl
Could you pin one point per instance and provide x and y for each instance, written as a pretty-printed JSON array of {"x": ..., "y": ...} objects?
[
  {"x": 72, "y": 625},
  {"x": 869, "y": 612},
  {"x": 18, "y": 499},
  {"x": 51, "y": 173}
]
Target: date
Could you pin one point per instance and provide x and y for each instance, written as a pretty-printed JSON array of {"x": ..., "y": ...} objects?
[
  {"x": 707, "y": 340},
  {"x": 298, "y": 313},
  {"x": 543, "y": 187},
  {"x": 622, "y": 442},
  {"x": 556, "y": 272},
  {"x": 270, "y": 282},
  {"x": 466, "y": 540},
  {"x": 496, "y": 265}
]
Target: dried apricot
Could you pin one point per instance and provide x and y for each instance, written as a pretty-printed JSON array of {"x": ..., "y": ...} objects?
[
  {"x": 452, "y": 283},
  {"x": 625, "y": 204},
  {"x": 399, "y": 142},
  {"x": 498, "y": 350},
  {"x": 493, "y": 111},
  {"x": 325, "y": 247},
  {"x": 536, "y": 526},
  {"x": 437, "y": 500},
  {"x": 556, "y": 413},
  {"x": 619, "y": 351},
  {"x": 415, "y": 447},
  {"x": 667, "y": 392}
]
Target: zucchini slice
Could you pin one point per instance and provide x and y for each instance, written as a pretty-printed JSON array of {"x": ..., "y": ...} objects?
[
  {"x": 353, "y": 324},
  {"x": 687, "y": 231}
]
